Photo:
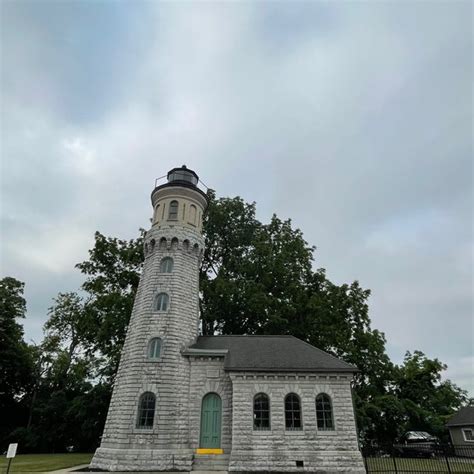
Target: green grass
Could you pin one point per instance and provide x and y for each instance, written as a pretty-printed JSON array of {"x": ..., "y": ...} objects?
[
  {"x": 43, "y": 462},
  {"x": 406, "y": 465}
]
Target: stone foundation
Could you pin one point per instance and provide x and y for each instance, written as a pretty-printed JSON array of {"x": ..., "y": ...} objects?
[
  {"x": 111, "y": 459},
  {"x": 285, "y": 461}
]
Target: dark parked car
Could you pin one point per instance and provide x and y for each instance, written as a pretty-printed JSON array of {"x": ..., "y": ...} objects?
[{"x": 417, "y": 444}]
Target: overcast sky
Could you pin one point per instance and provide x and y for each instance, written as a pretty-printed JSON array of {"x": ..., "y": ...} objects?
[{"x": 353, "y": 119}]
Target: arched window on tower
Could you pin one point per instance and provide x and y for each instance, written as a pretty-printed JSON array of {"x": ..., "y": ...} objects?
[
  {"x": 173, "y": 212},
  {"x": 261, "y": 412},
  {"x": 161, "y": 302},
  {"x": 292, "y": 412},
  {"x": 154, "y": 348},
  {"x": 146, "y": 411},
  {"x": 324, "y": 412},
  {"x": 192, "y": 214},
  {"x": 166, "y": 265}
]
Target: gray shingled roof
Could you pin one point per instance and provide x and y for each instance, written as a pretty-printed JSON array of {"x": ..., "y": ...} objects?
[
  {"x": 272, "y": 353},
  {"x": 465, "y": 416}
]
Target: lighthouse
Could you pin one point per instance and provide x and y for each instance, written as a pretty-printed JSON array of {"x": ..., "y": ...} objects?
[
  {"x": 241, "y": 403},
  {"x": 147, "y": 424}
]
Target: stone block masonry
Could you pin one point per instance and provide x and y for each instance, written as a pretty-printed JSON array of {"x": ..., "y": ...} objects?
[{"x": 279, "y": 449}]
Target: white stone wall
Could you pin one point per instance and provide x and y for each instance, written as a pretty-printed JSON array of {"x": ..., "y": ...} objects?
[
  {"x": 166, "y": 446},
  {"x": 279, "y": 449}
]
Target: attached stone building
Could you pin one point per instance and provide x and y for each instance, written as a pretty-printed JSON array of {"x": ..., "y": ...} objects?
[{"x": 240, "y": 403}]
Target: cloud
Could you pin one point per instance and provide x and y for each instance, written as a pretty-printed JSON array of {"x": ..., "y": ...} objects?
[{"x": 353, "y": 120}]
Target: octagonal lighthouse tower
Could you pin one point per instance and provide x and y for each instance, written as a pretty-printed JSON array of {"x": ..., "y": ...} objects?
[{"x": 147, "y": 425}]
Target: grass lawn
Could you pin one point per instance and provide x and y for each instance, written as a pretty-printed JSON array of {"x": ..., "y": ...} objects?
[
  {"x": 43, "y": 462},
  {"x": 414, "y": 465}
]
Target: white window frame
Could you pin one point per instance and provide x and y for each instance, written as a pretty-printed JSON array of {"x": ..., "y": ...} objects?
[{"x": 464, "y": 435}]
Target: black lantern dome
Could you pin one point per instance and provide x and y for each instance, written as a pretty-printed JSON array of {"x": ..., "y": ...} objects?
[{"x": 183, "y": 175}]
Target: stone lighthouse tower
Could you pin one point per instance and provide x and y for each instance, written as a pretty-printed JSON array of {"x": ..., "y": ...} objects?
[{"x": 147, "y": 425}]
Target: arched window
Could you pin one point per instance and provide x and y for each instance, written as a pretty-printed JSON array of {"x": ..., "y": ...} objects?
[
  {"x": 261, "y": 412},
  {"x": 192, "y": 214},
  {"x": 173, "y": 212},
  {"x": 166, "y": 265},
  {"x": 292, "y": 412},
  {"x": 161, "y": 302},
  {"x": 154, "y": 348},
  {"x": 146, "y": 411},
  {"x": 324, "y": 412}
]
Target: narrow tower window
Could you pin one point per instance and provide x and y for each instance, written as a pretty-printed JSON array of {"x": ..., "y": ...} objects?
[
  {"x": 173, "y": 212},
  {"x": 146, "y": 411},
  {"x": 192, "y": 214},
  {"x": 154, "y": 348},
  {"x": 166, "y": 265},
  {"x": 261, "y": 412},
  {"x": 324, "y": 412},
  {"x": 292, "y": 412},
  {"x": 161, "y": 302}
]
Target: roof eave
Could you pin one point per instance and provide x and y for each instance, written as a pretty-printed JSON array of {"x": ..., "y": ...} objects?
[
  {"x": 292, "y": 369},
  {"x": 205, "y": 352}
]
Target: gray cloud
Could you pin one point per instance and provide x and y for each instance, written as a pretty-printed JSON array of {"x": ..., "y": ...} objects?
[{"x": 353, "y": 120}]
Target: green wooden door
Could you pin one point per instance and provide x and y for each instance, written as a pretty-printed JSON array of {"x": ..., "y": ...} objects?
[{"x": 211, "y": 414}]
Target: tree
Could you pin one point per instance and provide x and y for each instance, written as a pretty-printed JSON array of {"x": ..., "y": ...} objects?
[
  {"x": 16, "y": 363},
  {"x": 113, "y": 274},
  {"x": 427, "y": 401},
  {"x": 67, "y": 407}
]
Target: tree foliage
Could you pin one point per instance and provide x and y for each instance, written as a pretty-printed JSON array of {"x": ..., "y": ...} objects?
[{"x": 16, "y": 362}]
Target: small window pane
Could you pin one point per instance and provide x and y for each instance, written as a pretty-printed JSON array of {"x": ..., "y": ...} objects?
[
  {"x": 161, "y": 302},
  {"x": 146, "y": 411},
  {"x": 292, "y": 412},
  {"x": 468, "y": 435},
  {"x": 166, "y": 265},
  {"x": 261, "y": 412},
  {"x": 324, "y": 412},
  {"x": 173, "y": 212},
  {"x": 154, "y": 348}
]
